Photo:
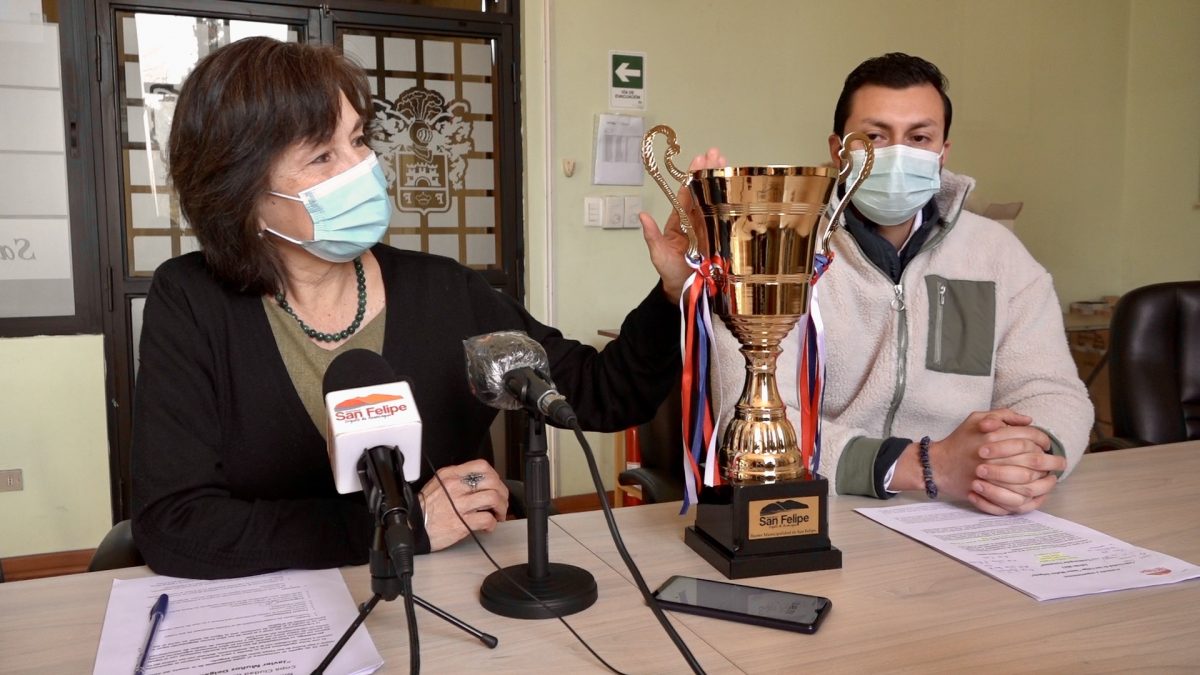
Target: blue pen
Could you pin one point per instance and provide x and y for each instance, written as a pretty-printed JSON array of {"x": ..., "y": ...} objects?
[{"x": 157, "y": 612}]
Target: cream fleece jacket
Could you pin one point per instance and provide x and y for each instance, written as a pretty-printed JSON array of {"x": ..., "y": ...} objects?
[{"x": 974, "y": 325}]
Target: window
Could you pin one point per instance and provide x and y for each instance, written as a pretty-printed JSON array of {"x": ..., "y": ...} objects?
[{"x": 48, "y": 271}]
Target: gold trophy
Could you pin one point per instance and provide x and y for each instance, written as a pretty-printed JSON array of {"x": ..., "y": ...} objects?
[{"x": 757, "y": 241}]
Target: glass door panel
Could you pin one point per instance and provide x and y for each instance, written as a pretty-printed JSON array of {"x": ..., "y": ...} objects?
[
  {"x": 155, "y": 52},
  {"x": 435, "y": 133},
  {"x": 147, "y": 55},
  {"x": 447, "y": 130}
]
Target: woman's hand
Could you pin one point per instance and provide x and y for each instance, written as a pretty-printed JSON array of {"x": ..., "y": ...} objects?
[
  {"x": 668, "y": 246},
  {"x": 478, "y": 493}
]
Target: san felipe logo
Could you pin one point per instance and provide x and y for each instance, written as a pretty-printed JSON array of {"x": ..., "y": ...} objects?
[{"x": 362, "y": 401}]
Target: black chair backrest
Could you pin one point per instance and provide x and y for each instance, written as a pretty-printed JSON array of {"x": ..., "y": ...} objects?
[
  {"x": 661, "y": 439},
  {"x": 1154, "y": 361},
  {"x": 117, "y": 549}
]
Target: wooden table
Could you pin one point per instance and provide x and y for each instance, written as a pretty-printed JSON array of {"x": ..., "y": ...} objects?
[
  {"x": 898, "y": 606},
  {"x": 53, "y": 625}
]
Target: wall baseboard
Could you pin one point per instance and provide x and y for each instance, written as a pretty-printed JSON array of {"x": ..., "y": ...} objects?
[
  {"x": 20, "y": 568},
  {"x": 584, "y": 502}
]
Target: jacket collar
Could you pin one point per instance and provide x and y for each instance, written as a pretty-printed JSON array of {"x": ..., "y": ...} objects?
[
  {"x": 952, "y": 197},
  {"x": 947, "y": 206}
]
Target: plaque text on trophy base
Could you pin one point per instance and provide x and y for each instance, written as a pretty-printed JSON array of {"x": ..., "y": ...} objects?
[{"x": 759, "y": 529}]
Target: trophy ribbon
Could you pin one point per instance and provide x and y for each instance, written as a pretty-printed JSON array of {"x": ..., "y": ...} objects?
[
  {"x": 700, "y": 418},
  {"x": 810, "y": 367},
  {"x": 697, "y": 339},
  {"x": 810, "y": 380}
]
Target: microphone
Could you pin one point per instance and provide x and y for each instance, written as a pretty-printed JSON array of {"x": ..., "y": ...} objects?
[
  {"x": 366, "y": 406},
  {"x": 371, "y": 417},
  {"x": 510, "y": 370}
]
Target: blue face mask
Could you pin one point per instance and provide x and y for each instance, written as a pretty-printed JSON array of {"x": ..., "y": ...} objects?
[
  {"x": 903, "y": 181},
  {"x": 350, "y": 212}
]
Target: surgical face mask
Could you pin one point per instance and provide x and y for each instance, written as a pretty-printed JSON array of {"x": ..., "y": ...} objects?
[
  {"x": 902, "y": 181},
  {"x": 350, "y": 212}
]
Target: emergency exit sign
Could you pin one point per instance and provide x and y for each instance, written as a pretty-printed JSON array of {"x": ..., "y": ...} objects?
[{"x": 627, "y": 80}]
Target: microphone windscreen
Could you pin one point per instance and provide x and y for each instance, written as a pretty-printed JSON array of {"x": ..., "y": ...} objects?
[
  {"x": 492, "y": 356},
  {"x": 356, "y": 368}
]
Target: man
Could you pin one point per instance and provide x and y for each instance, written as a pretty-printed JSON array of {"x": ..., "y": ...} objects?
[{"x": 930, "y": 313}]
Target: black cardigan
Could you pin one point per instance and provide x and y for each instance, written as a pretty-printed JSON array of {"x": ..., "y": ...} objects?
[{"x": 231, "y": 478}]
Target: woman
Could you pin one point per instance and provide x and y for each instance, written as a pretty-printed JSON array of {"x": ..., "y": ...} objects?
[{"x": 269, "y": 157}]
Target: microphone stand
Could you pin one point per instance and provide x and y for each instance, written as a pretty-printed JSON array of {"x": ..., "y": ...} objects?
[
  {"x": 538, "y": 589},
  {"x": 386, "y": 584}
]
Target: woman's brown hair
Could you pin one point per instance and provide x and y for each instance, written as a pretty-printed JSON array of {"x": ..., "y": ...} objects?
[{"x": 240, "y": 108}]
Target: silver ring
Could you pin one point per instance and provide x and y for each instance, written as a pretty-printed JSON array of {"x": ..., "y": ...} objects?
[{"x": 472, "y": 480}]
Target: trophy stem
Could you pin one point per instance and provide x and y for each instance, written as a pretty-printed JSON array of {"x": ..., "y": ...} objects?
[{"x": 760, "y": 443}]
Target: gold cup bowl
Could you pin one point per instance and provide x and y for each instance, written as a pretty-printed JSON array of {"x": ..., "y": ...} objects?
[{"x": 759, "y": 238}]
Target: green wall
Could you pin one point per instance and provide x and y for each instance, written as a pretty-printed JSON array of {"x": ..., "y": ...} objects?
[
  {"x": 1085, "y": 110},
  {"x": 52, "y": 426}
]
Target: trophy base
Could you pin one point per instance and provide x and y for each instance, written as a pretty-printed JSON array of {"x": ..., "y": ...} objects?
[
  {"x": 751, "y": 530},
  {"x": 735, "y": 566}
]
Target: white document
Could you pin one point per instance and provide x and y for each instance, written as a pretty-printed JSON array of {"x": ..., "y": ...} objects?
[
  {"x": 283, "y": 622},
  {"x": 618, "y": 150},
  {"x": 1038, "y": 554}
]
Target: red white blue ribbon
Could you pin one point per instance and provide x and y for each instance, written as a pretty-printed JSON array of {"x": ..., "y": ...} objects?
[
  {"x": 810, "y": 373},
  {"x": 700, "y": 418},
  {"x": 698, "y": 344}
]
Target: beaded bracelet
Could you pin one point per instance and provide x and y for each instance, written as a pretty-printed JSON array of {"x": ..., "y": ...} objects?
[{"x": 931, "y": 489}]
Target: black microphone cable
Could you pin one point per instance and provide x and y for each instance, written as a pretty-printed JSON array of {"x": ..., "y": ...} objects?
[
  {"x": 513, "y": 581},
  {"x": 406, "y": 589},
  {"x": 633, "y": 569},
  {"x": 620, "y": 545}
]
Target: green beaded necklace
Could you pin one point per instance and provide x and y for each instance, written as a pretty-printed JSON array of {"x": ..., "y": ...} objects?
[{"x": 358, "y": 316}]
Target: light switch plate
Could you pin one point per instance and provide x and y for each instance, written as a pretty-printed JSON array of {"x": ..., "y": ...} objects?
[
  {"x": 614, "y": 213},
  {"x": 633, "y": 206},
  {"x": 593, "y": 211},
  {"x": 11, "y": 480}
]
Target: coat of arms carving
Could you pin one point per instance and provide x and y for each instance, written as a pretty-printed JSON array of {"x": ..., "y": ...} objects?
[{"x": 422, "y": 142}]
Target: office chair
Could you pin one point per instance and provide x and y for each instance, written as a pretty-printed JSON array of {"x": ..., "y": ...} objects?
[
  {"x": 116, "y": 550},
  {"x": 661, "y": 440},
  {"x": 1154, "y": 366}
]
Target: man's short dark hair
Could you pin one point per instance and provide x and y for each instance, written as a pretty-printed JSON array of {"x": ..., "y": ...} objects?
[{"x": 894, "y": 71}]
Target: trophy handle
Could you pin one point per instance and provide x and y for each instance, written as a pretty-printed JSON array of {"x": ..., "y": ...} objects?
[
  {"x": 844, "y": 154},
  {"x": 685, "y": 223}
]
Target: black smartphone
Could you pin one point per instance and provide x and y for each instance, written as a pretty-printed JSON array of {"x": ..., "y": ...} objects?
[{"x": 745, "y": 604}]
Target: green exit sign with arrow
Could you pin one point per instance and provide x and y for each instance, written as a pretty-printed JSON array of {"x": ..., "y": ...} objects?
[{"x": 627, "y": 80}]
